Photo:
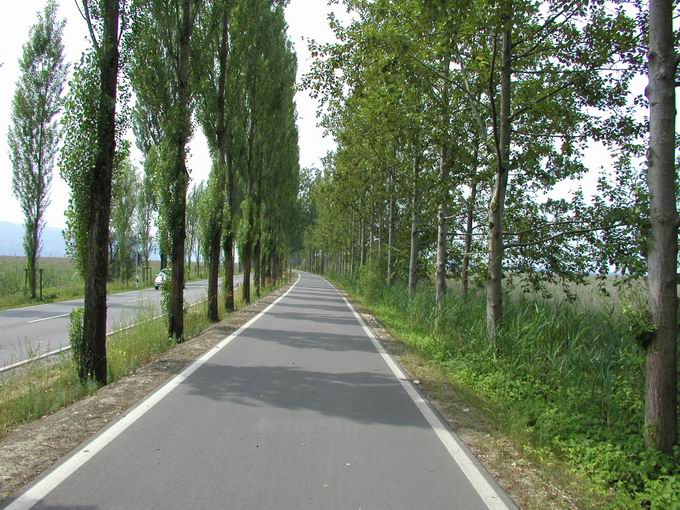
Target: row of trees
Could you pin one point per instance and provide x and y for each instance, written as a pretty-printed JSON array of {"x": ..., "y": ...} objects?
[
  {"x": 162, "y": 68},
  {"x": 457, "y": 123},
  {"x": 33, "y": 140}
]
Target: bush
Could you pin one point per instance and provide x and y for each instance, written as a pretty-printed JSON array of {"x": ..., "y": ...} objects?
[
  {"x": 78, "y": 352},
  {"x": 372, "y": 279}
]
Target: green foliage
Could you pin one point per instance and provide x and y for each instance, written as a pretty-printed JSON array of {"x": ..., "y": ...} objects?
[
  {"x": 78, "y": 348},
  {"x": 79, "y": 151},
  {"x": 640, "y": 323},
  {"x": 165, "y": 294},
  {"x": 404, "y": 76},
  {"x": 145, "y": 214},
  {"x": 245, "y": 232},
  {"x": 194, "y": 241},
  {"x": 371, "y": 279},
  {"x": 124, "y": 204},
  {"x": 565, "y": 381}
]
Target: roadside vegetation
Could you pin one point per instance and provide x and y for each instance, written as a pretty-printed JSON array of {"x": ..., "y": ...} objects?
[
  {"x": 45, "y": 386},
  {"x": 564, "y": 381}
]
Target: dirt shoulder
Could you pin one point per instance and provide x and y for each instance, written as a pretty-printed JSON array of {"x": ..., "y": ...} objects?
[
  {"x": 530, "y": 484},
  {"x": 33, "y": 447}
]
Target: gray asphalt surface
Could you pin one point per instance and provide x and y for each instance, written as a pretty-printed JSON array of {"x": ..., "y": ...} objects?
[
  {"x": 297, "y": 412},
  {"x": 34, "y": 330}
]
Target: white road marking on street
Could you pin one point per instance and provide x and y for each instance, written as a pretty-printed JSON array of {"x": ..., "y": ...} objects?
[
  {"x": 454, "y": 445},
  {"x": 41, "y": 489},
  {"x": 47, "y": 318},
  {"x": 137, "y": 300}
]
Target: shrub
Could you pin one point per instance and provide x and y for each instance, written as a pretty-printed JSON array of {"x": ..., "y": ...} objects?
[{"x": 78, "y": 352}]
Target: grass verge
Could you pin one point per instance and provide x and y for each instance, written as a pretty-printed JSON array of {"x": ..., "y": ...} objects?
[
  {"x": 44, "y": 387},
  {"x": 565, "y": 384}
]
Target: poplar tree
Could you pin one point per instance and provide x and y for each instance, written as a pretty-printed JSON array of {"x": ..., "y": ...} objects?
[
  {"x": 212, "y": 72},
  {"x": 160, "y": 42},
  {"x": 92, "y": 137},
  {"x": 123, "y": 208},
  {"x": 34, "y": 131}
]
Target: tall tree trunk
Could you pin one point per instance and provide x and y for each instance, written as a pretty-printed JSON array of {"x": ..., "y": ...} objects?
[
  {"x": 465, "y": 273},
  {"x": 247, "y": 252},
  {"x": 351, "y": 249},
  {"x": 444, "y": 162},
  {"x": 229, "y": 238},
  {"x": 371, "y": 234},
  {"x": 494, "y": 290},
  {"x": 181, "y": 180},
  {"x": 33, "y": 257},
  {"x": 246, "y": 277},
  {"x": 257, "y": 261},
  {"x": 228, "y": 250},
  {"x": 362, "y": 243},
  {"x": 391, "y": 235},
  {"x": 380, "y": 226},
  {"x": 213, "y": 278},
  {"x": 96, "y": 264},
  {"x": 661, "y": 385},
  {"x": 415, "y": 204},
  {"x": 221, "y": 136},
  {"x": 163, "y": 255},
  {"x": 440, "y": 263},
  {"x": 274, "y": 268}
]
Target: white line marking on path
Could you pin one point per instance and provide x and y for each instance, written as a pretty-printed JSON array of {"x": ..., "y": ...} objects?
[
  {"x": 48, "y": 318},
  {"x": 452, "y": 443},
  {"x": 137, "y": 300},
  {"x": 41, "y": 489}
]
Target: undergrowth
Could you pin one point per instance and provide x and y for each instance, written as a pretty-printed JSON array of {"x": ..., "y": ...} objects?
[{"x": 568, "y": 381}]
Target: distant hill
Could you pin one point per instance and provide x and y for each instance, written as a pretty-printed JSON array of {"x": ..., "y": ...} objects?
[{"x": 12, "y": 240}]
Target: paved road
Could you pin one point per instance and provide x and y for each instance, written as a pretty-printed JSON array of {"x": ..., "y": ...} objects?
[
  {"x": 39, "y": 329},
  {"x": 298, "y": 411}
]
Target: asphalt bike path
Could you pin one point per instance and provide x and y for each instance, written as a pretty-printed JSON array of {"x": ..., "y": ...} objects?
[{"x": 299, "y": 408}]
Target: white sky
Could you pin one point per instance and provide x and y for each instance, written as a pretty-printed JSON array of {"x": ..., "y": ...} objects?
[{"x": 306, "y": 18}]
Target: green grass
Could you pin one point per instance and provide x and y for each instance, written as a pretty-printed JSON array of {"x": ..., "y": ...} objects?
[
  {"x": 565, "y": 381},
  {"x": 43, "y": 388},
  {"x": 61, "y": 281}
]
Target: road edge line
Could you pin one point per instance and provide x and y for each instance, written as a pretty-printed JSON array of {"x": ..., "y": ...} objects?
[
  {"x": 37, "y": 492},
  {"x": 489, "y": 495}
]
